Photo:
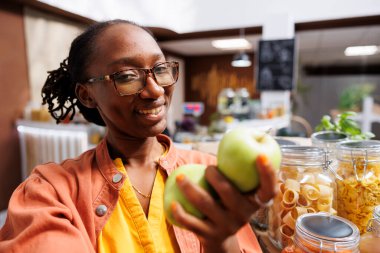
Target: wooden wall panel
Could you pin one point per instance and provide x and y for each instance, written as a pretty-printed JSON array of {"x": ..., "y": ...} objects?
[
  {"x": 207, "y": 75},
  {"x": 13, "y": 95}
]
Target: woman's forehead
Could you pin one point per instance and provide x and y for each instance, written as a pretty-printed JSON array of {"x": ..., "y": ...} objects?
[
  {"x": 125, "y": 35},
  {"x": 125, "y": 41}
]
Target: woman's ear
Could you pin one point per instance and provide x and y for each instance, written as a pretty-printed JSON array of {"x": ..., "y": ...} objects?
[{"x": 84, "y": 95}]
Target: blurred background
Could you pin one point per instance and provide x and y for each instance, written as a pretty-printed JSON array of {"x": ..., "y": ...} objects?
[{"x": 275, "y": 65}]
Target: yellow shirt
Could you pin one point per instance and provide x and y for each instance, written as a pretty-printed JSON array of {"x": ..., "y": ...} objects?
[{"x": 128, "y": 229}]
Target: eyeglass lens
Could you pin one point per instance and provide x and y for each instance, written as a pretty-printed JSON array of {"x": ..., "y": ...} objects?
[{"x": 132, "y": 81}]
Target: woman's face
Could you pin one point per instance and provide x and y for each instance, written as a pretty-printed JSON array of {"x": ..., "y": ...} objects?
[{"x": 139, "y": 115}]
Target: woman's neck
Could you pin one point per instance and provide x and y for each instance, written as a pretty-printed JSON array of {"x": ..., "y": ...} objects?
[{"x": 135, "y": 151}]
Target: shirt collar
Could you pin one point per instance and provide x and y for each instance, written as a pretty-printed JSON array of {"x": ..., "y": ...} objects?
[{"x": 108, "y": 168}]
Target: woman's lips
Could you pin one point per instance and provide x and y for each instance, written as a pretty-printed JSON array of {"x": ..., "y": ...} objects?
[{"x": 154, "y": 111}]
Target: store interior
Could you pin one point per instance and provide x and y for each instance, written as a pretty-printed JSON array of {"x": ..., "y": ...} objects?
[{"x": 212, "y": 95}]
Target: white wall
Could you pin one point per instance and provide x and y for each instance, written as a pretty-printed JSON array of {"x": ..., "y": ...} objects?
[
  {"x": 48, "y": 41},
  {"x": 324, "y": 91},
  {"x": 197, "y": 15}
]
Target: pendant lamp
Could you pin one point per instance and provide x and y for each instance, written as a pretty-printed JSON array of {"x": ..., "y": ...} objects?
[{"x": 241, "y": 59}]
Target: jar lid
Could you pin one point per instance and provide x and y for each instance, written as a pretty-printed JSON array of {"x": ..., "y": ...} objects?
[
  {"x": 328, "y": 136},
  {"x": 369, "y": 149},
  {"x": 369, "y": 144},
  {"x": 376, "y": 212},
  {"x": 326, "y": 231}
]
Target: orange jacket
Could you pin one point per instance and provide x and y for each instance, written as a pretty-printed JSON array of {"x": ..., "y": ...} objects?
[{"x": 63, "y": 207}]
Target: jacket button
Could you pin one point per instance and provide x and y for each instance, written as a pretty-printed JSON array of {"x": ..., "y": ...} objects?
[
  {"x": 101, "y": 210},
  {"x": 117, "y": 178}
]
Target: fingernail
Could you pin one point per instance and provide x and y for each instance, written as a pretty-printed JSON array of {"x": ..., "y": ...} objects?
[
  {"x": 180, "y": 177},
  {"x": 263, "y": 159},
  {"x": 173, "y": 206}
]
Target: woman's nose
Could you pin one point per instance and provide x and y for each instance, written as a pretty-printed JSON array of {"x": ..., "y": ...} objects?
[{"x": 152, "y": 89}]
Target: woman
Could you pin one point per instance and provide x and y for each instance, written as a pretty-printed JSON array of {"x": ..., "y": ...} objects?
[{"x": 110, "y": 199}]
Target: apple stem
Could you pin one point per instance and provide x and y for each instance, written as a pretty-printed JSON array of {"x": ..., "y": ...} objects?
[{"x": 262, "y": 137}]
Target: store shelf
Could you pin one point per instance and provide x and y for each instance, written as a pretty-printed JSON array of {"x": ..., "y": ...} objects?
[{"x": 272, "y": 124}]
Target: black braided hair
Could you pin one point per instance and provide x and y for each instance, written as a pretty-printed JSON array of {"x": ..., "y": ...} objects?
[{"x": 58, "y": 91}]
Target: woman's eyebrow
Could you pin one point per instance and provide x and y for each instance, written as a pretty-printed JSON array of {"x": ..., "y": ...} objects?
[{"x": 135, "y": 60}]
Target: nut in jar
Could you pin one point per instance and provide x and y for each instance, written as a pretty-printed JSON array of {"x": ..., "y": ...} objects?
[
  {"x": 305, "y": 186},
  {"x": 358, "y": 181}
]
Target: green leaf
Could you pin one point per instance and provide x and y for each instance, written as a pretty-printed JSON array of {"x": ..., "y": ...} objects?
[
  {"x": 369, "y": 135},
  {"x": 346, "y": 114},
  {"x": 350, "y": 126}
]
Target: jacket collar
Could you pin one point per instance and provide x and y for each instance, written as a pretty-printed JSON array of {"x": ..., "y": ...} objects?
[{"x": 108, "y": 169}]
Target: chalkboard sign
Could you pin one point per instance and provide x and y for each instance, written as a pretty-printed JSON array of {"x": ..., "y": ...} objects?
[{"x": 276, "y": 63}]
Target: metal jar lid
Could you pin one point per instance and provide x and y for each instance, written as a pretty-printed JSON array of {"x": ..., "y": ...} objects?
[
  {"x": 369, "y": 149},
  {"x": 326, "y": 231},
  {"x": 328, "y": 137}
]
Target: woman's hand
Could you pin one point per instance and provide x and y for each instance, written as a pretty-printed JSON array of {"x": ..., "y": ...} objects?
[{"x": 224, "y": 217}]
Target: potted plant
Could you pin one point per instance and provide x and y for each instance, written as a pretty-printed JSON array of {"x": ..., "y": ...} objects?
[{"x": 344, "y": 124}]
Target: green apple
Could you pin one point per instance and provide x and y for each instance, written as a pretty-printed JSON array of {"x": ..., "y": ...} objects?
[
  {"x": 237, "y": 153},
  {"x": 196, "y": 174}
]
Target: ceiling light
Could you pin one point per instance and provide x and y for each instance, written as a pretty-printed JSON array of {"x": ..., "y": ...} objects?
[
  {"x": 232, "y": 44},
  {"x": 361, "y": 50},
  {"x": 241, "y": 60}
]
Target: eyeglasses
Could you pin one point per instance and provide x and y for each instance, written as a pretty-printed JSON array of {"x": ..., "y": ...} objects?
[{"x": 132, "y": 81}]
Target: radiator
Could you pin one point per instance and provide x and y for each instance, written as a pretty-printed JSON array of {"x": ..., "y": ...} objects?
[{"x": 47, "y": 142}]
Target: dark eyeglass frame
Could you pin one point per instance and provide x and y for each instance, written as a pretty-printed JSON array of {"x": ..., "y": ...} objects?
[{"x": 111, "y": 77}]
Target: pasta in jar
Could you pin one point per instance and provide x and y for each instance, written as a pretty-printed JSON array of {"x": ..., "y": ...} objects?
[
  {"x": 358, "y": 185},
  {"x": 305, "y": 186}
]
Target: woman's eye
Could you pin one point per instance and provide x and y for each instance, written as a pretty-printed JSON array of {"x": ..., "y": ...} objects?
[
  {"x": 126, "y": 77},
  {"x": 161, "y": 70}
]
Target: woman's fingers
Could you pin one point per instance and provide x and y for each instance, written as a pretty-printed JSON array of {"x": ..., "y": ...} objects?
[
  {"x": 267, "y": 189},
  {"x": 234, "y": 201},
  {"x": 190, "y": 222},
  {"x": 232, "y": 210},
  {"x": 201, "y": 199}
]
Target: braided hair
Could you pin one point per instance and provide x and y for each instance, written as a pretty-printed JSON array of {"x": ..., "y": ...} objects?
[{"x": 58, "y": 91}]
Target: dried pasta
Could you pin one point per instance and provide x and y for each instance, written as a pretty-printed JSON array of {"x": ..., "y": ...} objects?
[
  {"x": 358, "y": 195},
  {"x": 310, "y": 192},
  {"x": 300, "y": 192}
]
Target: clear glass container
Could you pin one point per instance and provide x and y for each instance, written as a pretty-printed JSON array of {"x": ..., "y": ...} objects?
[
  {"x": 241, "y": 104},
  {"x": 370, "y": 241},
  {"x": 328, "y": 140},
  {"x": 358, "y": 181},
  {"x": 226, "y": 99},
  {"x": 325, "y": 233},
  {"x": 305, "y": 186}
]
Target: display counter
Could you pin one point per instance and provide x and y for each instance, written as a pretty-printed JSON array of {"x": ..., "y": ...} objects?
[{"x": 212, "y": 147}]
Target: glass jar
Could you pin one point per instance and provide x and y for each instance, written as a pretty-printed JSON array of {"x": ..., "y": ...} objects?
[
  {"x": 370, "y": 241},
  {"x": 226, "y": 99},
  {"x": 305, "y": 186},
  {"x": 358, "y": 181},
  {"x": 241, "y": 107},
  {"x": 325, "y": 233},
  {"x": 328, "y": 140}
]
